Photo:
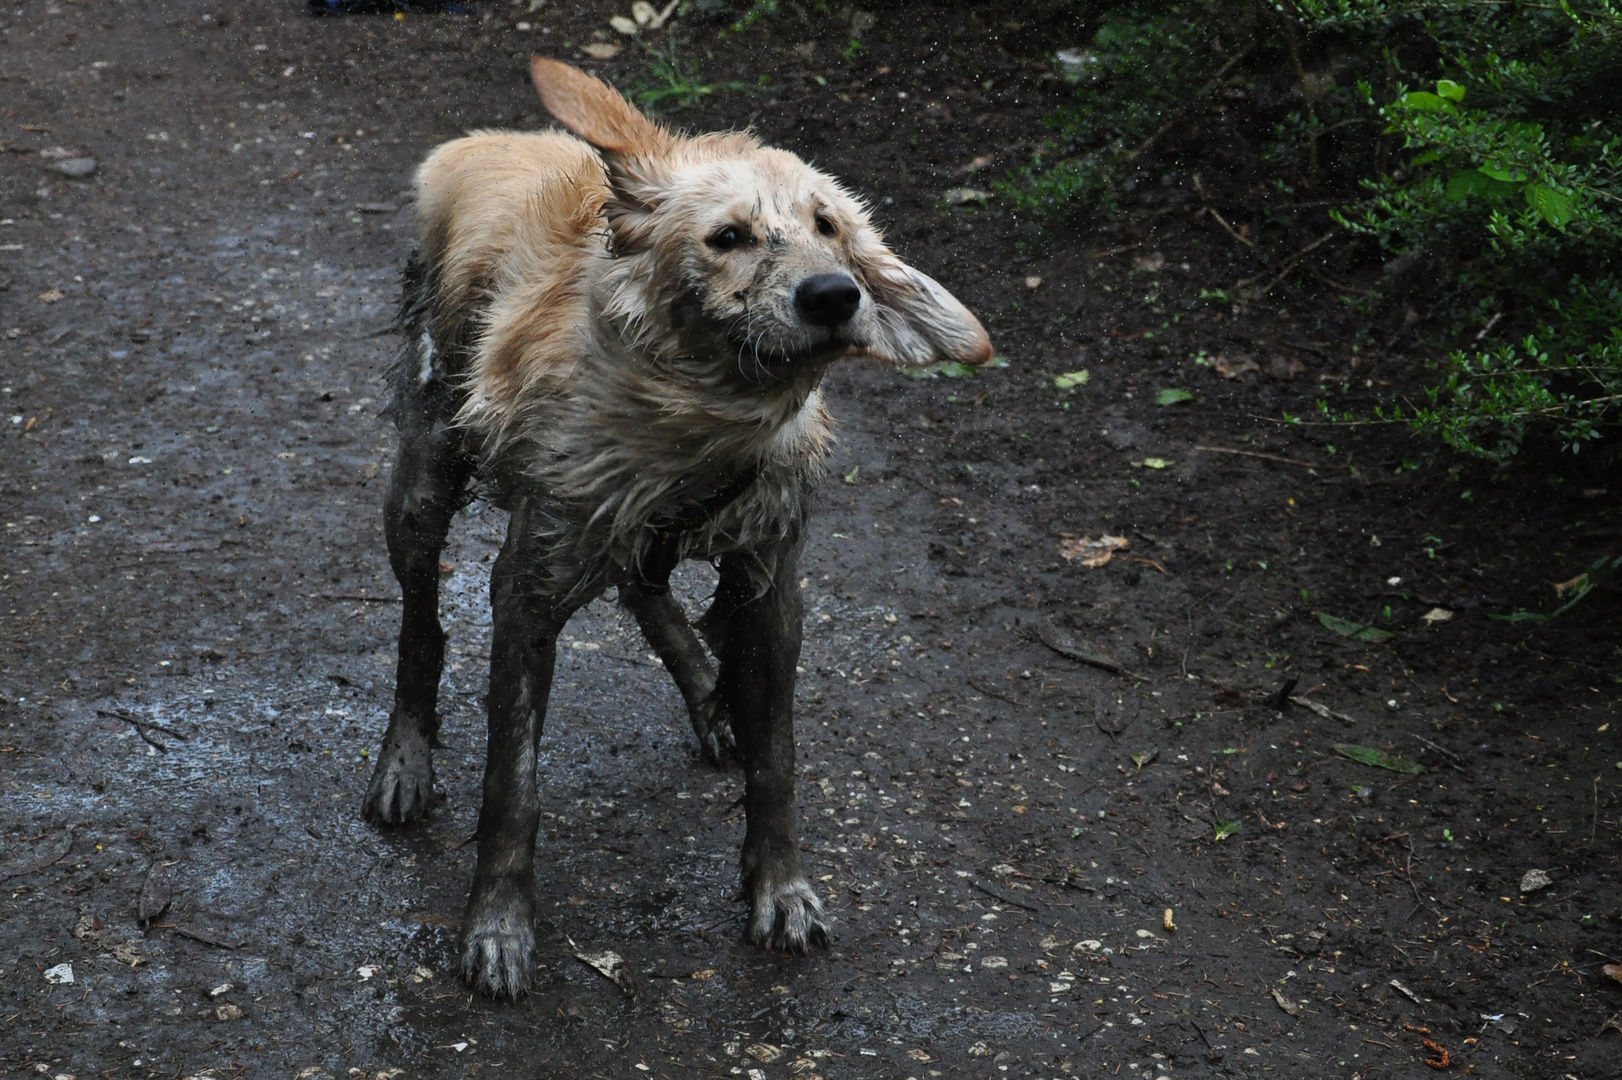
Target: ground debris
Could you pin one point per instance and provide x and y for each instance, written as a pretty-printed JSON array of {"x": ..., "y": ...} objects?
[
  {"x": 610, "y": 965},
  {"x": 44, "y": 855}
]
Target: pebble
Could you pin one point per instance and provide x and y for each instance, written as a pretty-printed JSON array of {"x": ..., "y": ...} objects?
[{"x": 78, "y": 168}]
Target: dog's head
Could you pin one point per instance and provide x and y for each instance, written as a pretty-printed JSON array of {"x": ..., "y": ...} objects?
[{"x": 727, "y": 244}]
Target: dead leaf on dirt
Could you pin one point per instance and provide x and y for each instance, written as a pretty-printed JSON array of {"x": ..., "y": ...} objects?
[
  {"x": 1613, "y": 970},
  {"x": 1534, "y": 880},
  {"x": 1285, "y": 1003},
  {"x": 978, "y": 163},
  {"x": 157, "y": 892},
  {"x": 48, "y": 852},
  {"x": 1561, "y": 588},
  {"x": 1285, "y": 367},
  {"x": 600, "y": 50},
  {"x": 962, "y": 196},
  {"x": 1089, "y": 552},
  {"x": 1437, "y": 615},
  {"x": 625, "y": 26},
  {"x": 764, "y": 1052},
  {"x": 50, "y": 296},
  {"x": 610, "y": 965},
  {"x": 1231, "y": 367}
]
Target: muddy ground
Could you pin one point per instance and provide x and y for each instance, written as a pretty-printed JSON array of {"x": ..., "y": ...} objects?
[{"x": 197, "y": 620}]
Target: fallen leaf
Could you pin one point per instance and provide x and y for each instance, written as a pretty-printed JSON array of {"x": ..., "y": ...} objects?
[
  {"x": 51, "y": 296},
  {"x": 1226, "y": 829},
  {"x": 610, "y": 965},
  {"x": 961, "y": 196},
  {"x": 600, "y": 50},
  {"x": 1092, "y": 553},
  {"x": 1437, "y": 615},
  {"x": 1156, "y": 463},
  {"x": 1285, "y": 368},
  {"x": 1233, "y": 367},
  {"x": 1613, "y": 970},
  {"x": 1533, "y": 880},
  {"x": 1368, "y": 755},
  {"x": 1167, "y": 921},
  {"x": 1561, "y": 588},
  {"x": 624, "y": 25},
  {"x": 1072, "y": 379},
  {"x": 157, "y": 891},
  {"x": 994, "y": 961},
  {"x": 1285, "y": 1003},
  {"x": 1356, "y": 631},
  {"x": 977, "y": 163},
  {"x": 1173, "y": 396},
  {"x": 765, "y": 1053},
  {"x": 1142, "y": 759},
  {"x": 52, "y": 851}
]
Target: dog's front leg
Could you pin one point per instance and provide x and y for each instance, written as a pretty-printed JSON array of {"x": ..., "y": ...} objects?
[
  {"x": 498, "y": 934},
  {"x": 760, "y": 650}
]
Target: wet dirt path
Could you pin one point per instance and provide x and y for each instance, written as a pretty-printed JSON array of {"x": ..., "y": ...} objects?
[{"x": 198, "y": 621}]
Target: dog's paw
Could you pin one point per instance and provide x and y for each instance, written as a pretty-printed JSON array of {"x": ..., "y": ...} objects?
[
  {"x": 498, "y": 941},
  {"x": 402, "y": 788},
  {"x": 712, "y": 723},
  {"x": 786, "y": 915}
]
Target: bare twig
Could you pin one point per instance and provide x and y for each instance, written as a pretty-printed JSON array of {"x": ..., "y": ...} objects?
[
  {"x": 999, "y": 896},
  {"x": 1289, "y": 264},
  {"x": 1220, "y": 220},
  {"x": 1269, "y": 457}
]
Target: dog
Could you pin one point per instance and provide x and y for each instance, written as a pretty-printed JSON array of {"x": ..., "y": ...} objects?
[{"x": 617, "y": 335}]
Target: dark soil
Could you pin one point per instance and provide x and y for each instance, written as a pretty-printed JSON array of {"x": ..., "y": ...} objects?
[{"x": 197, "y": 621}]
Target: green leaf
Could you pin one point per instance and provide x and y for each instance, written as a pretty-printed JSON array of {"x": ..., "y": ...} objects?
[
  {"x": 950, "y": 369},
  {"x": 1072, "y": 379},
  {"x": 1173, "y": 396},
  {"x": 1502, "y": 172},
  {"x": 1140, "y": 760},
  {"x": 1226, "y": 829},
  {"x": 1155, "y": 463},
  {"x": 1449, "y": 89},
  {"x": 1551, "y": 204},
  {"x": 1421, "y": 101},
  {"x": 1353, "y": 630},
  {"x": 1368, "y": 755},
  {"x": 1474, "y": 182}
]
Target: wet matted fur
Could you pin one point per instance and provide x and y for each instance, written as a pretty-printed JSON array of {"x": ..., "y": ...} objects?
[{"x": 619, "y": 334}]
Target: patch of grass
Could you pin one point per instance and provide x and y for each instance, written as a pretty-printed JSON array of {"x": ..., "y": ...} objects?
[{"x": 676, "y": 83}]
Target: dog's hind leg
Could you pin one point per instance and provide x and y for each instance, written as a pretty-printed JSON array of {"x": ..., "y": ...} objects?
[
  {"x": 498, "y": 932},
  {"x": 665, "y": 625},
  {"x": 427, "y": 487},
  {"x": 760, "y": 647}
]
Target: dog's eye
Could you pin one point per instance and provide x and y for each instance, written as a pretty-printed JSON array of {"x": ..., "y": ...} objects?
[
  {"x": 729, "y": 238},
  {"x": 826, "y": 227}
]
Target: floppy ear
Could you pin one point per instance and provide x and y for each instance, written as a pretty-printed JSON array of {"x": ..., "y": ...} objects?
[
  {"x": 634, "y": 148},
  {"x": 919, "y": 322}
]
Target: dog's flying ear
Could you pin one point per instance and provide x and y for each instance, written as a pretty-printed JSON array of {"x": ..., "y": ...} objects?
[
  {"x": 595, "y": 111},
  {"x": 634, "y": 148},
  {"x": 919, "y": 322}
]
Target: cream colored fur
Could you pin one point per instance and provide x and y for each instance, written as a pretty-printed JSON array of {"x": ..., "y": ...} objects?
[{"x": 617, "y": 363}]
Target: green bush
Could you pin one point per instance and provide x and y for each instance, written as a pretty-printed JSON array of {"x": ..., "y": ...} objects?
[{"x": 1476, "y": 143}]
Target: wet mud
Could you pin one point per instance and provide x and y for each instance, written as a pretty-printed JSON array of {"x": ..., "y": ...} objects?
[{"x": 1067, "y": 820}]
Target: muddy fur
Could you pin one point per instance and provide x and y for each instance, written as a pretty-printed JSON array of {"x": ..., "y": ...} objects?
[{"x": 619, "y": 338}]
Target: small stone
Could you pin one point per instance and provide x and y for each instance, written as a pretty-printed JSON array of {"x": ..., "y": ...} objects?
[
  {"x": 228, "y": 1011},
  {"x": 1533, "y": 880},
  {"x": 78, "y": 168}
]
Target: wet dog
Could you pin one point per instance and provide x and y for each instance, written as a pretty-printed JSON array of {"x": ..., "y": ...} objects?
[{"x": 619, "y": 335}]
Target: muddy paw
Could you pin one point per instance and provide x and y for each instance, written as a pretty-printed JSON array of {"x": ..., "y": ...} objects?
[
  {"x": 713, "y": 726},
  {"x": 498, "y": 941},
  {"x": 402, "y": 788},
  {"x": 787, "y": 915}
]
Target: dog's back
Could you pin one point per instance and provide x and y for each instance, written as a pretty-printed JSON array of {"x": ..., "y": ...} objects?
[{"x": 508, "y": 224}]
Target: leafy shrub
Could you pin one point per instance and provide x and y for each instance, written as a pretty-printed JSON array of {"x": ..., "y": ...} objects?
[{"x": 1477, "y": 144}]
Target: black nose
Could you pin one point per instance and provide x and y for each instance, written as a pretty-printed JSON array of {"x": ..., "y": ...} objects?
[{"x": 827, "y": 299}]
